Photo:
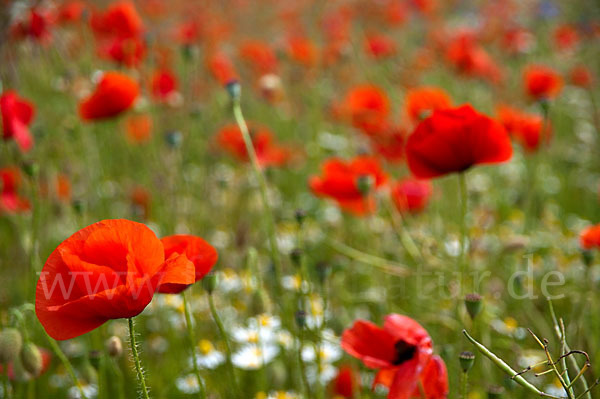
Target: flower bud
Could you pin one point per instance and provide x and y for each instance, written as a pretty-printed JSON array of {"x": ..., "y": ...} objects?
[
  {"x": 495, "y": 392},
  {"x": 174, "y": 138},
  {"x": 474, "y": 303},
  {"x": 114, "y": 346},
  {"x": 209, "y": 282},
  {"x": 11, "y": 343},
  {"x": 31, "y": 358},
  {"x": 466, "y": 361},
  {"x": 234, "y": 89},
  {"x": 300, "y": 317},
  {"x": 300, "y": 215}
]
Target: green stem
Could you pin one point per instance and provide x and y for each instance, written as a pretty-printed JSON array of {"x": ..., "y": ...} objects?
[
  {"x": 388, "y": 266},
  {"x": 406, "y": 240},
  {"x": 305, "y": 384},
  {"x": 225, "y": 338},
  {"x": 67, "y": 365},
  {"x": 503, "y": 366},
  {"x": 192, "y": 343},
  {"x": 463, "y": 265},
  {"x": 269, "y": 219},
  {"x": 464, "y": 386},
  {"x": 136, "y": 358},
  {"x": 5, "y": 382}
]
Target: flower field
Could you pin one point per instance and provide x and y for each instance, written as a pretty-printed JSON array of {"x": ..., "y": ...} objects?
[{"x": 299, "y": 199}]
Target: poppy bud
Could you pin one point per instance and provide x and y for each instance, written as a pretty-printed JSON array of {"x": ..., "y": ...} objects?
[
  {"x": 466, "y": 361},
  {"x": 11, "y": 343},
  {"x": 474, "y": 303},
  {"x": 300, "y": 317},
  {"x": 587, "y": 257},
  {"x": 296, "y": 256},
  {"x": 31, "y": 358},
  {"x": 495, "y": 392},
  {"x": 234, "y": 89},
  {"x": 173, "y": 138},
  {"x": 114, "y": 346},
  {"x": 300, "y": 215},
  {"x": 364, "y": 184},
  {"x": 209, "y": 282}
]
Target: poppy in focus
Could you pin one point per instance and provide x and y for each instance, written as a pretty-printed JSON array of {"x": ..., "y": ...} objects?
[
  {"x": 17, "y": 114},
  {"x": 198, "y": 251},
  {"x": 402, "y": 351},
  {"x": 114, "y": 94},
  {"x": 455, "y": 139},
  {"x": 350, "y": 183},
  {"x": 108, "y": 270}
]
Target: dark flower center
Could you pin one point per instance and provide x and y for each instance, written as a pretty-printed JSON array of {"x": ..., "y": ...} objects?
[{"x": 404, "y": 352}]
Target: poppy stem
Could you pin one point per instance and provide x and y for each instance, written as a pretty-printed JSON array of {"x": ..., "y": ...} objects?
[
  {"x": 136, "y": 358},
  {"x": 67, "y": 365},
  {"x": 190, "y": 331},
  {"x": 464, "y": 386},
  {"x": 462, "y": 258},
  {"x": 225, "y": 338},
  {"x": 503, "y": 366},
  {"x": 269, "y": 219}
]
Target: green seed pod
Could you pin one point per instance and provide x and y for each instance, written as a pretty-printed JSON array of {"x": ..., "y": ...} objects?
[
  {"x": 11, "y": 343},
  {"x": 31, "y": 357},
  {"x": 209, "y": 282},
  {"x": 466, "y": 360},
  {"x": 495, "y": 392},
  {"x": 474, "y": 303},
  {"x": 114, "y": 346}
]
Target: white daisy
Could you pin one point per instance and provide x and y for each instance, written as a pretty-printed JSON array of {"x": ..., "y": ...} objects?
[
  {"x": 188, "y": 384},
  {"x": 252, "y": 357},
  {"x": 208, "y": 357}
]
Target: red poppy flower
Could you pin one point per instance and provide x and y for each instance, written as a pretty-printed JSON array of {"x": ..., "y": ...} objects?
[
  {"x": 566, "y": 37},
  {"x": 526, "y": 128},
  {"x": 140, "y": 201},
  {"x": 71, "y": 11},
  {"x": 109, "y": 270},
  {"x": 268, "y": 152},
  {"x": 10, "y": 200},
  {"x": 259, "y": 55},
  {"x": 455, "y": 139},
  {"x": 542, "y": 82},
  {"x": 368, "y": 108},
  {"x": 120, "y": 19},
  {"x": 17, "y": 114},
  {"x": 581, "y": 76},
  {"x": 36, "y": 25},
  {"x": 188, "y": 32},
  {"x": 351, "y": 184},
  {"x": 222, "y": 68},
  {"x": 389, "y": 143},
  {"x": 303, "y": 51},
  {"x": 470, "y": 59},
  {"x": 198, "y": 251},
  {"x": 517, "y": 40},
  {"x": 63, "y": 188},
  {"x": 114, "y": 94},
  {"x": 422, "y": 101},
  {"x": 411, "y": 195},
  {"x": 128, "y": 51},
  {"x": 163, "y": 84},
  {"x": 589, "y": 237},
  {"x": 139, "y": 128},
  {"x": 401, "y": 350},
  {"x": 380, "y": 46},
  {"x": 346, "y": 383},
  {"x": 434, "y": 380}
]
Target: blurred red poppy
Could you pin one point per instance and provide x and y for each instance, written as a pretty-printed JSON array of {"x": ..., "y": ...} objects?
[
  {"x": 222, "y": 68},
  {"x": 114, "y": 94},
  {"x": 581, "y": 76},
  {"x": 346, "y": 384},
  {"x": 389, "y": 143},
  {"x": 303, "y": 51},
  {"x": 10, "y": 200},
  {"x": 525, "y": 127},
  {"x": 17, "y": 114},
  {"x": 402, "y": 352},
  {"x": 198, "y": 251},
  {"x": 542, "y": 82},
  {"x": 71, "y": 11},
  {"x": 268, "y": 152},
  {"x": 420, "y": 102},
  {"x": 411, "y": 195},
  {"x": 37, "y": 25},
  {"x": 566, "y": 37},
  {"x": 455, "y": 139},
  {"x": 128, "y": 51},
  {"x": 259, "y": 55},
  {"x": 350, "y": 183},
  {"x": 589, "y": 238},
  {"x": 470, "y": 59},
  {"x": 109, "y": 270},
  {"x": 380, "y": 46},
  {"x": 120, "y": 19},
  {"x": 368, "y": 107},
  {"x": 163, "y": 84},
  {"x": 139, "y": 128}
]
